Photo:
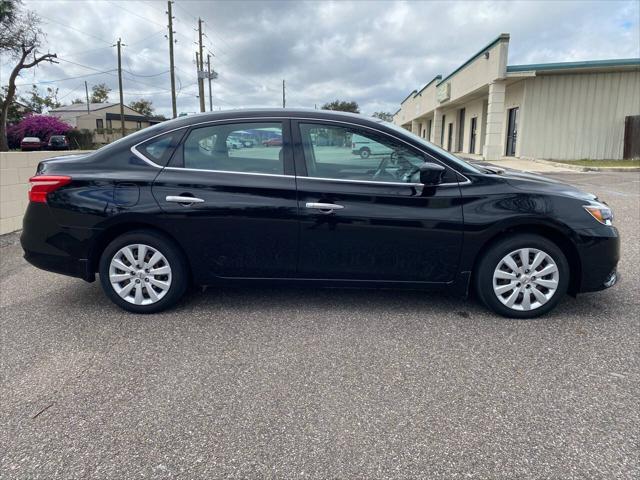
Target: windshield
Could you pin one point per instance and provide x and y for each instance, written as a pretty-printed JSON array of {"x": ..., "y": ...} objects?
[{"x": 441, "y": 151}]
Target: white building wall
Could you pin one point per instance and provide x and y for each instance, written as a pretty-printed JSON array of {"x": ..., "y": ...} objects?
[{"x": 578, "y": 116}]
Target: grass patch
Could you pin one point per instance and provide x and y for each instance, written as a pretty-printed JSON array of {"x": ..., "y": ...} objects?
[{"x": 602, "y": 163}]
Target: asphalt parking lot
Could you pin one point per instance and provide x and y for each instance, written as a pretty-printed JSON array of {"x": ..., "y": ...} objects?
[{"x": 293, "y": 383}]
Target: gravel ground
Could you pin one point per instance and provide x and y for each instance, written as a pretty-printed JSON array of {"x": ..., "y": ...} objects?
[{"x": 292, "y": 383}]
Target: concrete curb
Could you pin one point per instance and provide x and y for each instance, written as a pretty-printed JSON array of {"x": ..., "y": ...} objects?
[{"x": 582, "y": 168}]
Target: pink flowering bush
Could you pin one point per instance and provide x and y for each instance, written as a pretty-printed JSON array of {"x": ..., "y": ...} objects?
[{"x": 41, "y": 126}]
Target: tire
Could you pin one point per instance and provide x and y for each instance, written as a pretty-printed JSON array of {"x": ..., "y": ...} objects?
[
  {"x": 157, "y": 291},
  {"x": 365, "y": 153},
  {"x": 498, "y": 285}
]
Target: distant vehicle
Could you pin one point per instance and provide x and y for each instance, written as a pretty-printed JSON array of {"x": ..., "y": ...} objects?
[
  {"x": 30, "y": 143},
  {"x": 234, "y": 143},
  {"x": 365, "y": 148},
  {"x": 273, "y": 142},
  {"x": 248, "y": 143},
  {"x": 58, "y": 142}
]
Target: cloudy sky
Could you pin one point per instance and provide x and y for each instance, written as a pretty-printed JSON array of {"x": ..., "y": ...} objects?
[{"x": 372, "y": 52}]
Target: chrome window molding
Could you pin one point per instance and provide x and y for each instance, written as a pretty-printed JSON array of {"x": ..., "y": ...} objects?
[
  {"x": 135, "y": 151},
  {"x": 179, "y": 169}
]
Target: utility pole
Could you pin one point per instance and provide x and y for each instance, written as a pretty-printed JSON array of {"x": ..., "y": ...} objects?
[
  {"x": 198, "y": 72},
  {"x": 86, "y": 91},
  {"x": 284, "y": 103},
  {"x": 209, "y": 77},
  {"x": 200, "y": 67},
  {"x": 120, "y": 44},
  {"x": 174, "y": 108}
]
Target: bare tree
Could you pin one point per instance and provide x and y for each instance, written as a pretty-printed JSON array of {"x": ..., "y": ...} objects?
[{"x": 20, "y": 38}]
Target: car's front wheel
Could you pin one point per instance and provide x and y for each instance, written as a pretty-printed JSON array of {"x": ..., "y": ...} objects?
[
  {"x": 143, "y": 272},
  {"x": 365, "y": 152},
  {"x": 522, "y": 276}
]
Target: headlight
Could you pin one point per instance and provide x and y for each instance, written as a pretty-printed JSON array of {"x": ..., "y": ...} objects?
[{"x": 600, "y": 212}]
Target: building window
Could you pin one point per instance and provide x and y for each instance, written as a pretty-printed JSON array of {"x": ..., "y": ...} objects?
[
  {"x": 444, "y": 117},
  {"x": 512, "y": 131},
  {"x": 99, "y": 124},
  {"x": 109, "y": 124},
  {"x": 429, "y": 129},
  {"x": 472, "y": 139},
  {"x": 138, "y": 125},
  {"x": 461, "y": 129}
]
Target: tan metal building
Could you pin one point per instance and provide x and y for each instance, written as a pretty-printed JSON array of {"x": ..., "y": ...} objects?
[
  {"x": 572, "y": 110},
  {"x": 103, "y": 119}
]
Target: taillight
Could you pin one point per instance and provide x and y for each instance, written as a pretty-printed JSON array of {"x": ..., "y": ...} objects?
[{"x": 41, "y": 185}]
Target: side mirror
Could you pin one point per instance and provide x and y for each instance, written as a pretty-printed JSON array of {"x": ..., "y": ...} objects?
[{"x": 431, "y": 173}]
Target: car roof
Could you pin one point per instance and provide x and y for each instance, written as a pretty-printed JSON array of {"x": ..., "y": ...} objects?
[{"x": 268, "y": 112}]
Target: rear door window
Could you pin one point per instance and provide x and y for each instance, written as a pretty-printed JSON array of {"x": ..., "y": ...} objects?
[{"x": 255, "y": 147}]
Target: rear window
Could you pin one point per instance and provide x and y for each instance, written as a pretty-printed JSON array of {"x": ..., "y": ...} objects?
[{"x": 160, "y": 149}]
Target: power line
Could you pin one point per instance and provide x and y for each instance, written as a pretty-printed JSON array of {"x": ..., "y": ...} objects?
[
  {"x": 56, "y": 22},
  {"x": 64, "y": 79},
  {"x": 119, "y": 6},
  {"x": 145, "y": 76}
]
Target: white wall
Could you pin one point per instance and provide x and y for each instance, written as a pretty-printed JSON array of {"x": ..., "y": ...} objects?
[
  {"x": 15, "y": 170},
  {"x": 576, "y": 116}
]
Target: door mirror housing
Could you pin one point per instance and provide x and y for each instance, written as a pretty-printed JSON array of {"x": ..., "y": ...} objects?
[{"x": 431, "y": 173}]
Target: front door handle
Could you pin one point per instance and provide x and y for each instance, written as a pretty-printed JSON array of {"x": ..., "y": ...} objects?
[
  {"x": 324, "y": 207},
  {"x": 184, "y": 200}
]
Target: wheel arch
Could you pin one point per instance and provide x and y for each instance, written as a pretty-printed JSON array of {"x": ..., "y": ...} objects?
[
  {"x": 551, "y": 233},
  {"x": 114, "y": 231}
]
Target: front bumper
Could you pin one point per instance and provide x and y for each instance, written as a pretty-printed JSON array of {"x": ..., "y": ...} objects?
[{"x": 599, "y": 253}]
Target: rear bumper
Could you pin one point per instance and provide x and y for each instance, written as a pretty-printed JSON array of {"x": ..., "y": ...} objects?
[
  {"x": 51, "y": 247},
  {"x": 65, "y": 265},
  {"x": 599, "y": 255}
]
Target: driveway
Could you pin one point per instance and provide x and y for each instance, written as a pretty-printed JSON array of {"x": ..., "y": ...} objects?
[{"x": 292, "y": 383}]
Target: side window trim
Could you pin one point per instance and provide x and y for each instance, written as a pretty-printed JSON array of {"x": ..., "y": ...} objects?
[{"x": 301, "y": 166}]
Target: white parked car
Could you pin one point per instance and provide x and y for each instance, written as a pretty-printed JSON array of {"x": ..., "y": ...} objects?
[{"x": 365, "y": 147}]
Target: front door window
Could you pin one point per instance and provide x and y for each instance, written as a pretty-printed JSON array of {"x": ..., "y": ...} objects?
[{"x": 347, "y": 153}]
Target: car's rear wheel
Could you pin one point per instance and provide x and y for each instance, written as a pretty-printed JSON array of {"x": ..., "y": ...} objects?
[
  {"x": 522, "y": 276},
  {"x": 365, "y": 152},
  {"x": 143, "y": 272}
]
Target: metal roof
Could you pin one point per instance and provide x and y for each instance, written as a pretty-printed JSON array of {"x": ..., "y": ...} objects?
[
  {"x": 82, "y": 107},
  {"x": 622, "y": 62}
]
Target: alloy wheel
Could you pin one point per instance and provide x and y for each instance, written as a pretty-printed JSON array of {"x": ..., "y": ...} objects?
[
  {"x": 525, "y": 279},
  {"x": 140, "y": 274}
]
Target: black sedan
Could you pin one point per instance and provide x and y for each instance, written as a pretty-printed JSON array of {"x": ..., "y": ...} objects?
[{"x": 173, "y": 205}]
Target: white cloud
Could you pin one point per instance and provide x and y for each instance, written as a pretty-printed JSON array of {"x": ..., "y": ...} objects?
[{"x": 371, "y": 52}]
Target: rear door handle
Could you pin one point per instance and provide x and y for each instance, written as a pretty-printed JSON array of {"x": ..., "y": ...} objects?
[
  {"x": 183, "y": 199},
  {"x": 324, "y": 207}
]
